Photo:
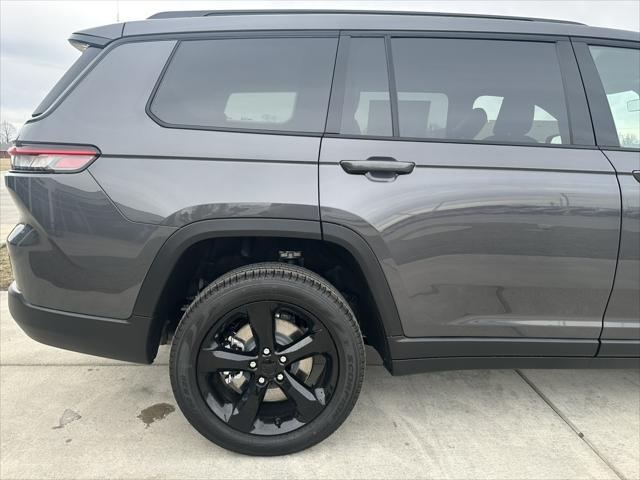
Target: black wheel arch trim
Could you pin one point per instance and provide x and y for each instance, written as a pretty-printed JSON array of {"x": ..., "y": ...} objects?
[
  {"x": 188, "y": 235},
  {"x": 167, "y": 257}
]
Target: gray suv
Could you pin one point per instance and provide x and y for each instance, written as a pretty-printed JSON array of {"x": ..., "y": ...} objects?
[{"x": 272, "y": 191}]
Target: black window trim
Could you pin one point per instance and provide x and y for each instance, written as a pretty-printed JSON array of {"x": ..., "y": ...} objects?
[
  {"x": 241, "y": 36},
  {"x": 578, "y": 119},
  {"x": 393, "y": 88},
  {"x": 338, "y": 87},
  {"x": 604, "y": 126}
]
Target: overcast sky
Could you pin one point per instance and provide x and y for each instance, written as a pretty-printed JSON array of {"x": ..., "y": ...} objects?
[{"x": 34, "y": 51}]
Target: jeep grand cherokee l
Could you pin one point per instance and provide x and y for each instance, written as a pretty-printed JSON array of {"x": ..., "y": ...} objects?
[{"x": 272, "y": 191}]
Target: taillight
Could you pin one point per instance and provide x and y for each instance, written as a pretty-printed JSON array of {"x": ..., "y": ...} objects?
[{"x": 51, "y": 158}]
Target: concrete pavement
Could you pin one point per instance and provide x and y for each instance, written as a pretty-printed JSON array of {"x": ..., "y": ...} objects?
[{"x": 67, "y": 415}]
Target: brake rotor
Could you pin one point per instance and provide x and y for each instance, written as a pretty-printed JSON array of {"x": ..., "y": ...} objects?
[{"x": 286, "y": 332}]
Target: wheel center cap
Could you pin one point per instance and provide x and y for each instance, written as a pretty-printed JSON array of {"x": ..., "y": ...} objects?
[{"x": 268, "y": 367}]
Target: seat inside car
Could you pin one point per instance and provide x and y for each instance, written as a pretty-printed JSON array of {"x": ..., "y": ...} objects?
[
  {"x": 514, "y": 121},
  {"x": 470, "y": 125}
]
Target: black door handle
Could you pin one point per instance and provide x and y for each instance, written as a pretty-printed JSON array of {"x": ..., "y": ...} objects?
[
  {"x": 377, "y": 165},
  {"x": 636, "y": 174}
]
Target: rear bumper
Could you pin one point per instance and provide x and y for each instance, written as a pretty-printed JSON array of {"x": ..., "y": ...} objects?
[{"x": 105, "y": 337}]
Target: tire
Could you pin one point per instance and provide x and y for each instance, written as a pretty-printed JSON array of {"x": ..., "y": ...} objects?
[{"x": 216, "y": 382}]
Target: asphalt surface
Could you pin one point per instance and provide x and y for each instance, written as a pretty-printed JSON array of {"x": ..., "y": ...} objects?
[{"x": 73, "y": 416}]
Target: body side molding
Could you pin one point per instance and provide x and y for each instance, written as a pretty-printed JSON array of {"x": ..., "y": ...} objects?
[{"x": 422, "y": 365}]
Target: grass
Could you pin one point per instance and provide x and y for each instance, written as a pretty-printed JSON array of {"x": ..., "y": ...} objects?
[
  {"x": 6, "y": 275},
  {"x": 4, "y": 164}
]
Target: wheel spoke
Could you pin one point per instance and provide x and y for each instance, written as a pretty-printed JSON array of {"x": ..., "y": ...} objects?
[
  {"x": 211, "y": 360},
  {"x": 262, "y": 324},
  {"x": 315, "y": 343},
  {"x": 307, "y": 404},
  {"x": 245, "y": 411}
]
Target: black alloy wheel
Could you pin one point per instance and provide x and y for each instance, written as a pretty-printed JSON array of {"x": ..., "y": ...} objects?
[
  {"x": 236, "y": 373},
  {"x": 267, "y": 360}
]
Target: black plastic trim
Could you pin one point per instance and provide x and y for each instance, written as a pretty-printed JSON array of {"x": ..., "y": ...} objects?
[
  {"x": 104, "y": 337},
  {"x": 422, "y": 365},
  {"x": 167, "y": 258},
  {"x": 619, "y": 348},
  {"x": 338, "y": 86},
  {"x": 408, "y": 348},
  {"x": 372, "y": 270},
  {"x": 393, "y": 91}
]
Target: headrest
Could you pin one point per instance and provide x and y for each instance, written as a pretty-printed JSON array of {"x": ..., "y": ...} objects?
[
  {"x": 515, "y": 118},
  {"x": 470, "y": 125}
]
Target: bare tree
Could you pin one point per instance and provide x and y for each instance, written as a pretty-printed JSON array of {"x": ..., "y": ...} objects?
[{"x": 7, "y": 132}]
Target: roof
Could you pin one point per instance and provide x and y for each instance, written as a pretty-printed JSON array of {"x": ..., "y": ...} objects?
[{"x": 209, "y": 20}]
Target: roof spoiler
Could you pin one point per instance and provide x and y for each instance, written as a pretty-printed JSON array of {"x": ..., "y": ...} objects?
[{"x": 96, "y": 37}]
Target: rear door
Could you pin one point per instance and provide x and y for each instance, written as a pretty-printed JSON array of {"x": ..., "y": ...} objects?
[
  {"x": 495, "y": 222},
  {"x": 612, "y": 77}
]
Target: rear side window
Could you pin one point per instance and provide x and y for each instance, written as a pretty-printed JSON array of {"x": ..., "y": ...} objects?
[
  {"x": 480, "y": 90},
  {"x": 70, "y": 75},
  {"x": 259, "y": 83},
  {"x": 619, "y": 70}
]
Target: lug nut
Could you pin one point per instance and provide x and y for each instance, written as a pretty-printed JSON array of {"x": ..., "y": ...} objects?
[
  {"x": 280, "y": 377},
  {"x": 252, "y": 364},
  {"x": 261, "y": 380},
  {"x": 266, "y": 351},
  {"x": 283, "y": 359}
]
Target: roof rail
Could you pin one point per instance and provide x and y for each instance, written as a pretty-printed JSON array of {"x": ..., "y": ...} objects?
[{"x": 209, "y": 13}]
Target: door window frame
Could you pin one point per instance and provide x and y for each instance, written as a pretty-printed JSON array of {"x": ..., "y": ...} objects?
[{"x": 579, "y": 122}]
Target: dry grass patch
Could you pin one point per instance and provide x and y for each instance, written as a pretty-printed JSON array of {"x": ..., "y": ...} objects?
[
  {"x": 6, "y": 275},
  {"x": 5, "y": 164}
]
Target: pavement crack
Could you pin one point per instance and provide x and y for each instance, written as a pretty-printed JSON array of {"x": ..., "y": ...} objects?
[{"x": 570, "y": 424}]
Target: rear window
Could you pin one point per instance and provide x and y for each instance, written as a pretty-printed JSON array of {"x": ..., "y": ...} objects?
[
  {"x": 70, "y": 75},
  {"x": 259, "y": 83}
]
